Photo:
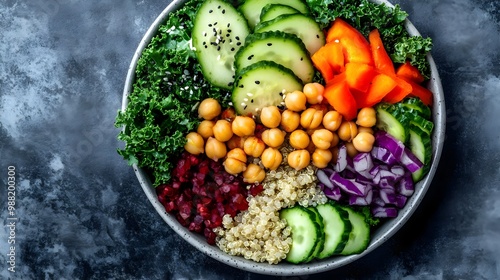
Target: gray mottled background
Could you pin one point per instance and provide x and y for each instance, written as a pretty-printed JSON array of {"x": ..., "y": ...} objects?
[{"x": 82, "y": 214}]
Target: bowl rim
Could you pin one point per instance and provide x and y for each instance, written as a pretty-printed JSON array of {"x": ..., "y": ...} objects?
[{"x": 379, "y": 236}]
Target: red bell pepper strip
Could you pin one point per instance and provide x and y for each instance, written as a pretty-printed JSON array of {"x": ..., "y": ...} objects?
[
  {"x": 410, "y": 72},
  {"x": 421, "y": 92},
  {"x": 340, "y": 98},
  {"x": 359, "y": 76},
  {"x": 381, "y": 85},
  {"x": 355, "y": 46},
  {"x": 382, "y": 61},
  {"x": 402, "y": 89}
]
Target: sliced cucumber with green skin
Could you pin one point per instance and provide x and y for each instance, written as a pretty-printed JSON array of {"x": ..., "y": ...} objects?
[
  {"x": 400, "y": 110},
  {"x": 271, "y": 11},
  {"x": 321, "y": 239},
  {"x": 417, "y": 104},
  {"x": 420, "y": 145},
  {"x": 305, "y": 232},
  {"x": 219, "y": 31},
  {"x": 301, "y": 25},
  {"x": 262, "y": 84},
  {"x": 251, "y": 9},
  {"x": 359, "y": 238},
  {"x": 337, "y": 229},
  {"x": 426, "y": 125},
  {"x": 393, "y": 121},
  {"x": 283, "y": 48}
]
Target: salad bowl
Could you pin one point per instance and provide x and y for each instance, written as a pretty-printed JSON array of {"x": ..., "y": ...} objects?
[{"x": 378, "y": 236}]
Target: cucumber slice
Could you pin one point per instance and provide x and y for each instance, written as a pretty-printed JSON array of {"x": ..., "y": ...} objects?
[
  {"x": 359, "y": 238},
  {"x": 218, "y": 32},
  {"x": 301, "y": 25},
  {"x": 420, "y": 145},
  {"x": 262, "y": 84},
  {"x": 305, "y": 233},
  {"x": 425, "y": 125},
  {"x": 392, "y": 120},
  {"x": 321, "y": 238},
  {"x": 271, "y": 11},
  {"x": 251, "y": 9},
  {"x": 283, "y": 48},
  {"x": 416, "y": 104},
  {"x": 337, "y": 228}
]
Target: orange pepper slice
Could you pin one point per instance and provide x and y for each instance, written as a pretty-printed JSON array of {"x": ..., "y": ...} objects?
[
  {"x": 340, "y": 98},
  {"x": 355, "y": 46},
  {"x": 410, "y": 72},
  {"x": 381, "y": 59}
]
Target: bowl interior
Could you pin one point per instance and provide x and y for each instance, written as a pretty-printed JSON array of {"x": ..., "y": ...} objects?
[{"x": 379, "y": 236}]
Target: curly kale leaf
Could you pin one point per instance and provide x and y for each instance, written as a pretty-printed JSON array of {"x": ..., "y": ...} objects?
[
  {"x": 162, "y": 107},
  {"x": 413, "y": 49}
]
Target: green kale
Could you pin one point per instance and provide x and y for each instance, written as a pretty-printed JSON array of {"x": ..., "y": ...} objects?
[
  {"x": 413, "y": 49},
  {"x": 162, "y": 107},
  {"x": 366, "y": 16}
]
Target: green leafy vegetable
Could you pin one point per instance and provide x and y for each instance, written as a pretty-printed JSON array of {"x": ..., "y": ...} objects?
[
  {"x": 162, "y": 107},
  {"x": 365, "y": 16},
  {"x": 413, "y": 49}
]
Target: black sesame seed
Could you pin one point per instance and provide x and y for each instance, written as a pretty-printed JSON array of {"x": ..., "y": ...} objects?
[
  {"x": 280, "y": 93},
  {"x": 242, "y": 86},
  {"x": 317, "y": 36},
  {"x": 230, "y": 84},
  {"x": 229, "y": 30},
  {"x": 237, "y": 38},
  {"x": 211, "y": 11},
  {"x": 206, "y": 47},
  {"x": 269, "y": 44},
  {"x": 215, "y": 23},
  {"x": 257, "y": 82},
  {"x": 244, "y": 108},
  {"x": 238, "y": 44},
  {"x": 251, "y": 101},
  {"x": 209, "y": 25},
  {"x": 223, "y": 11},
  {"x": 250, "y": 57},
  {"x": 229, "y": 24},
  {"x": 218, "y": 48},
  {"x": 232, "y": 49},
  {"x": 227, "y": 35},
  {"x": 218, "y": 7},
  {"x": 301, "y": 59}
]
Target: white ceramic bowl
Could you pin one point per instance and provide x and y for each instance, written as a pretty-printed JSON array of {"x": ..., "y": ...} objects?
[{"x": 379, "y": 236}]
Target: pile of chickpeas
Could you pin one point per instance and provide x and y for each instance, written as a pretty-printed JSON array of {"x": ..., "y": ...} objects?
[{"x": 311, "y": 127}]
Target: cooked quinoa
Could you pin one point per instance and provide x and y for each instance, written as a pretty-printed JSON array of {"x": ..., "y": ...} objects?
[{"x": 259, "y": 234}]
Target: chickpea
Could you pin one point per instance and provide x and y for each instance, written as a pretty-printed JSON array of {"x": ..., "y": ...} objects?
[
  {"x": 243, "y": 126},
  {"x": 253, "y": 146},
  {"x": 209, "y": 109},
  {"x": 365, "y": 129},
  {"x": 295, "y": 101},
  {"x": 235, "y": 162},
  {"x": 322, "y": 138},
  {"x": 367, "y": 117},
  {"x": 214, "y": 149},
  {"x": 253, "y": 174},
  {"x": 271, "y": 158},
  {"x": 363, "y": 142},
  {"x": 205, "y": 128},
  {"x": 332, "y": 120},
  {"x": 237, "y": 154},
  {"x": 235, "y": 142},
  {"x": 347, "y": 130},
  {"x": 321, "y": 158},
  {"x": 222, "y": 130},
  {"x": 194, "y": 144},
  {"x": 313, "y": 92},
  {"x": 270, "y": 116},
  {"x": 290, "y": 120},
  {"x": 351, "y": 150},
  {"x": 299, "y": 159},
  {"x": 299, "y": 139},
  {"x": 311, "y": 118},
  {"x": 273, "y": 137}
]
